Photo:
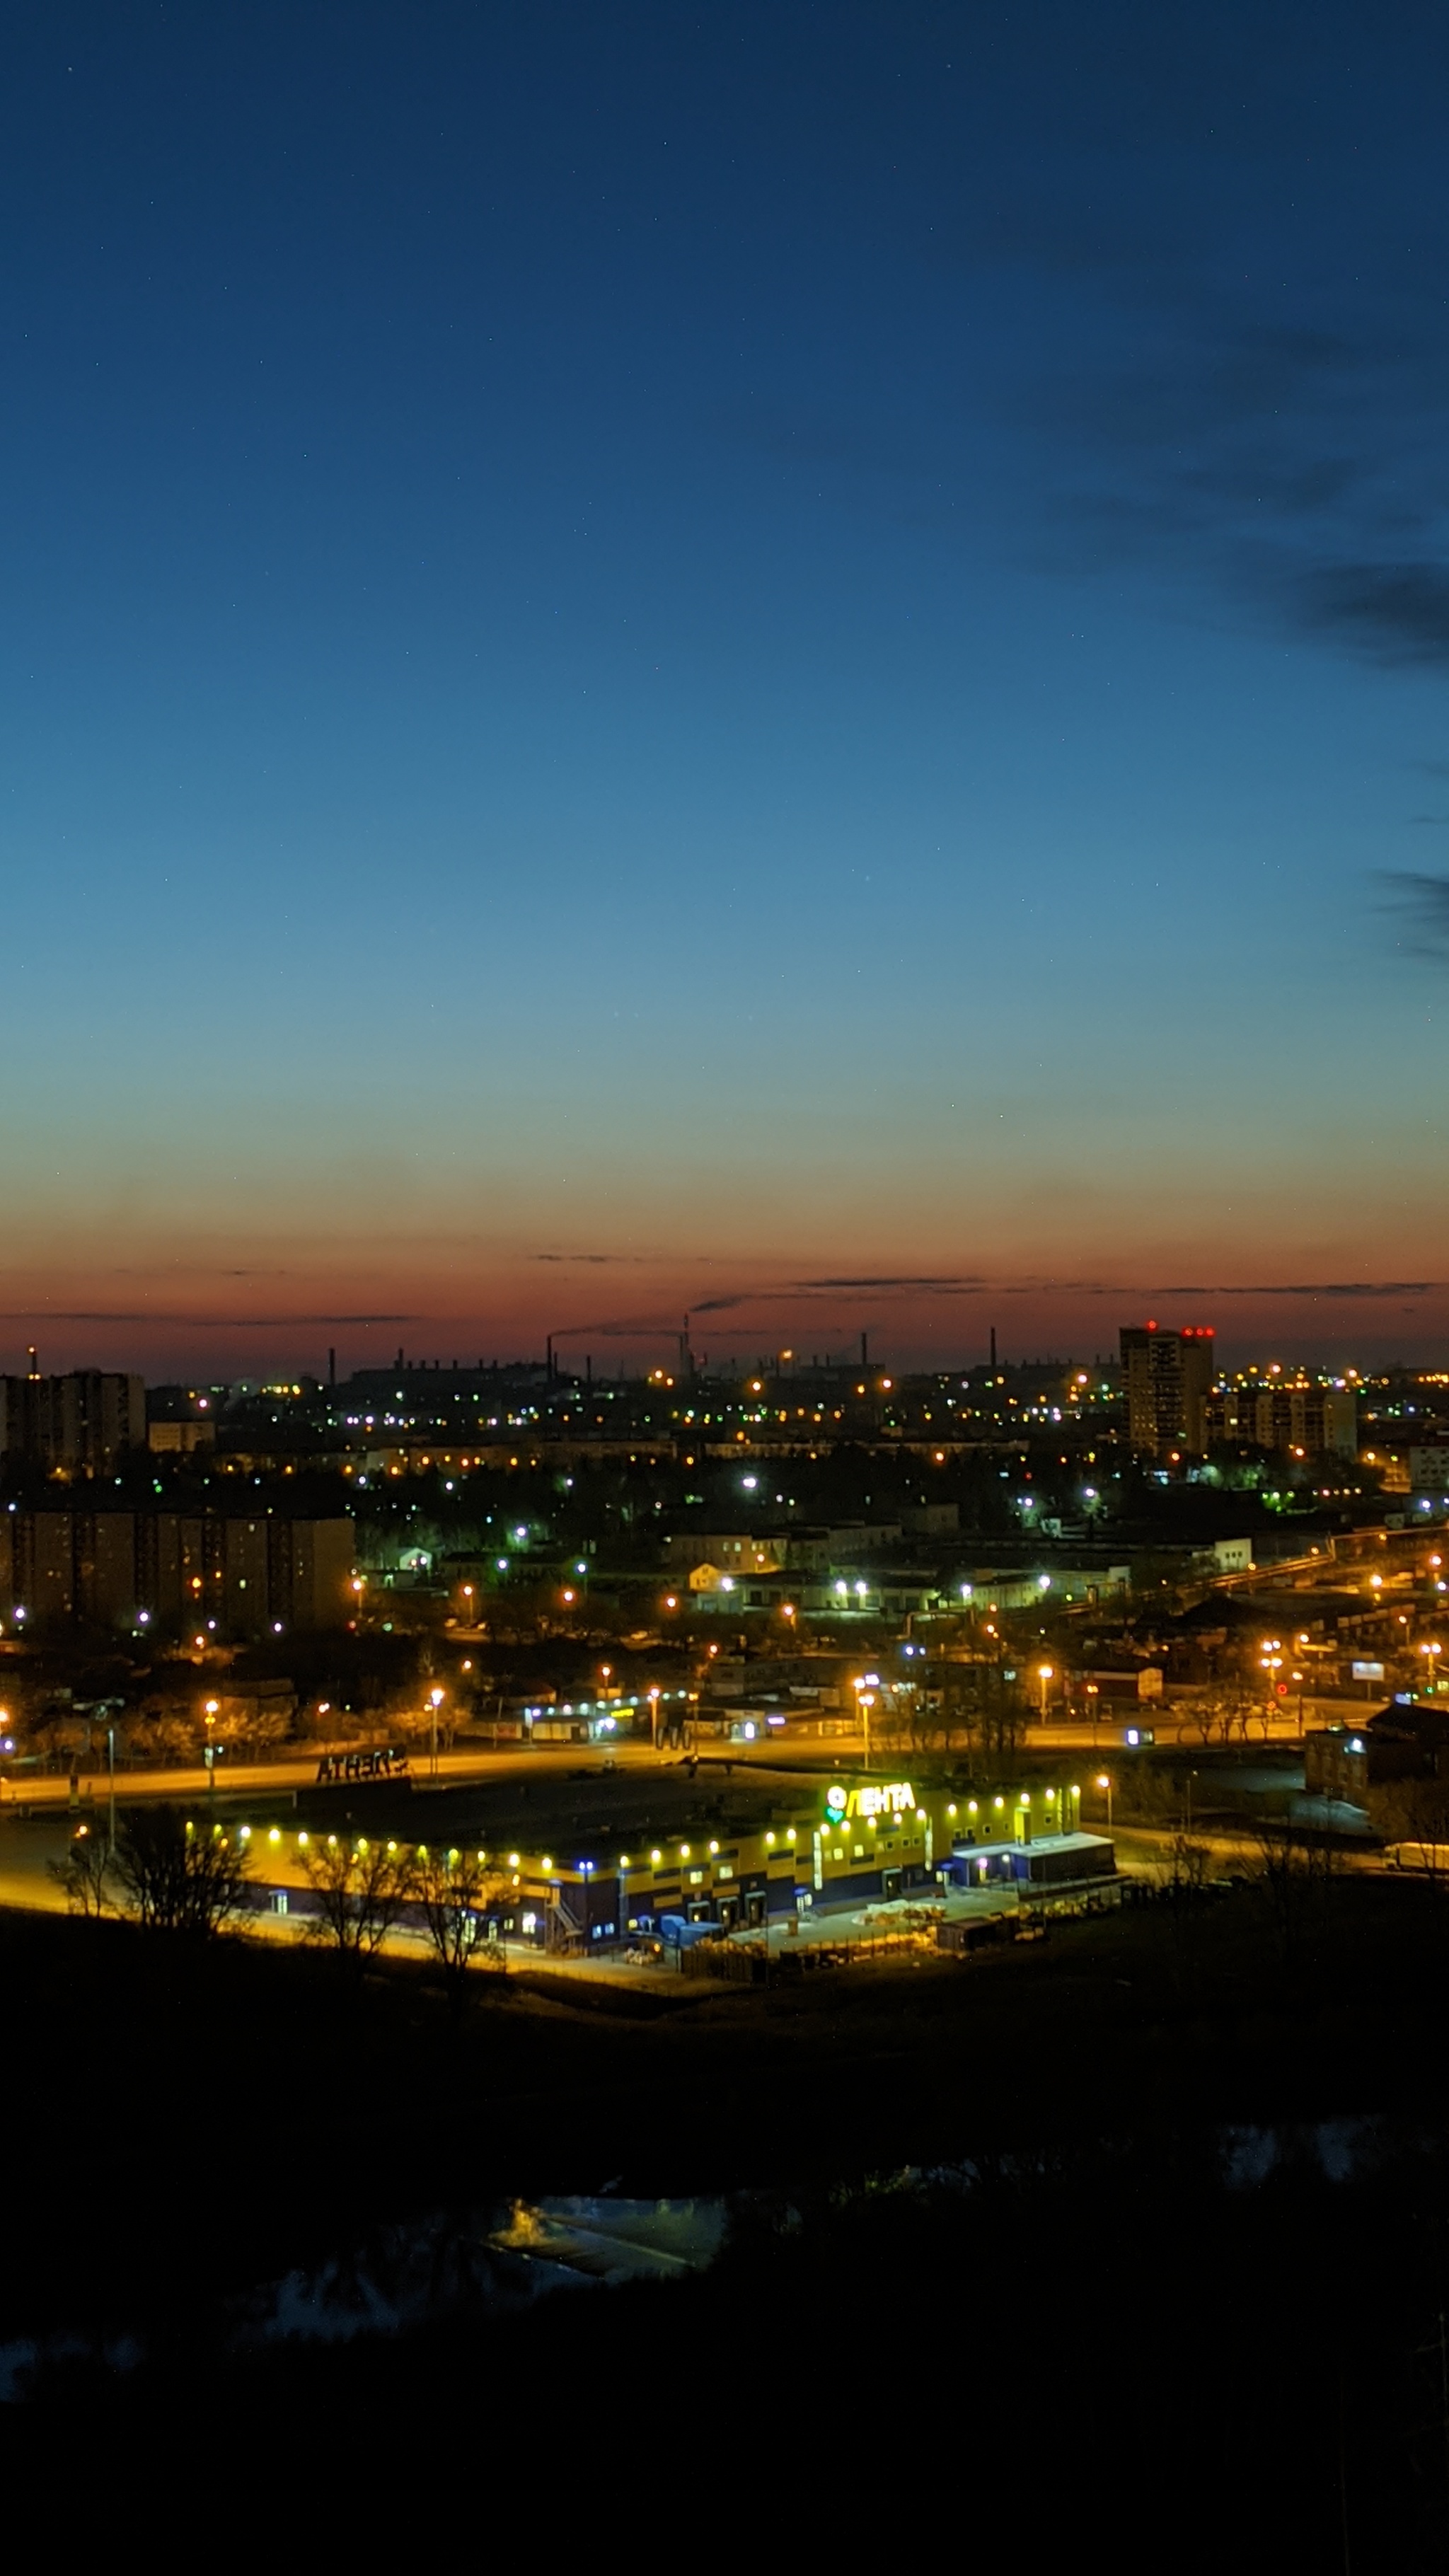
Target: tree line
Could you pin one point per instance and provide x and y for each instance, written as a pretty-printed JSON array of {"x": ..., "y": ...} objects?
[{"x": 192, "y": 1879}]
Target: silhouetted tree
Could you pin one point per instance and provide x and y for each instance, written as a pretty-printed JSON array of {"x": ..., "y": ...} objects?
[
  {"x": 179, "y": 1876},
  {"x": 453, "y": 1888},
  {"x": 361, "y": 1889},
  {"x": 1293, "y": 1874},
  {"x": 84, "y": 1872}
]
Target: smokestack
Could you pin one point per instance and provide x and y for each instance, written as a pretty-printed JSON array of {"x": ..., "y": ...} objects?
[
  {"x": 331, "y": 1366},
  {"x": 993, "y": 1346},
  {"x": 548, "y": 1362},
  {"x": 34, "y": 1358},
  {"x": 864, "y": 1355},
  {"x": 588, "y": 1368}
]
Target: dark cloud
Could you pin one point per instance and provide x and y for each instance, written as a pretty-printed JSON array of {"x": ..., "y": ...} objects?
[
  {"x": 204, "y": 1323},
  {"x": 1393, "y": 612},
  {"x": 1311, "y": 1288},
  {"x": 1292, "y": 488},
  {"x": 1210, "y": 377},
  {"x": 1421, "y": 904},
  {"x": 617, "y": 1328},
  {"x": 933, "y": 1286}
]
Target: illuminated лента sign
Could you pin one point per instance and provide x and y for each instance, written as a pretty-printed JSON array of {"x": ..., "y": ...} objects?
[{"x": 892, "y": 1798}]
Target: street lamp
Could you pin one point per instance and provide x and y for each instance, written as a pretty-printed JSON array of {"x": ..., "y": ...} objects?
[
  {"x": 435, "y": 1702},
  {"x": 1045, "y": 1674},
  {"x": 654, "y": 1719},
  {"x": 212, "y": 1706},
  {"x": 1104, "y": 1782},
  {"x": 864, "y": 1702}
]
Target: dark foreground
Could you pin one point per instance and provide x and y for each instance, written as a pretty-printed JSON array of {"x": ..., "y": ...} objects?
[{"x": 1092, "y": 2314}]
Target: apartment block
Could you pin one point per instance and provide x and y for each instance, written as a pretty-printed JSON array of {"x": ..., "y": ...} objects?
[
  {"x": 1167, "y": 1376},
  {"x": 124, "y": 1569},
  {"x": 78, "y": 1425}
]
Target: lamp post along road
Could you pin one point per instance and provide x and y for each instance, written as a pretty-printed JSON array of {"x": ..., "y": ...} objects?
[{"x": 865, "y": 1690}]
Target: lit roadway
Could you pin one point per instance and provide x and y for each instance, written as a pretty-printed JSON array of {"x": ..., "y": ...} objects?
[
  {"x": 1170, "y": 1722},
  {"x": 259, "y": 1779},
  {"x": 36, "y": 1819}
]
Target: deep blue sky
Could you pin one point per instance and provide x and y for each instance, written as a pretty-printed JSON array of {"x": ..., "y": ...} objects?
[{"x": 660, "y": 656}]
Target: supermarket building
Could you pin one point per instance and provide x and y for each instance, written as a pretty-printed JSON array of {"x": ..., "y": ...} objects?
[
  {"x": 868, "y": 1840},
  {"x": 841, "y": 1844}
]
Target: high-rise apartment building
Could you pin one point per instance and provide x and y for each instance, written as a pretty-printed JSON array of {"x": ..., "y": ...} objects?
[
  {"x": 243, "y": 1575},
  {"x": 1167, "y": 1377},
  {"x": 1295, "y": 1415},
  {"x": 80, "y": 1424}
]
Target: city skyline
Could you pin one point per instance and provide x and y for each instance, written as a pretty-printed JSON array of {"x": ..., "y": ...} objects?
[{"x": 788, "y": 669}]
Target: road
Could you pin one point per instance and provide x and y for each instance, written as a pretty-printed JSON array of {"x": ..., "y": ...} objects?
[
  {"x": 40, "y": 1792},
  {"x": 1169, "y": 1725}
]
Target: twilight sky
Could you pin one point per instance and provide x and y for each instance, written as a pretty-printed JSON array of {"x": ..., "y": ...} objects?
[{"x": 782, "y": 659}]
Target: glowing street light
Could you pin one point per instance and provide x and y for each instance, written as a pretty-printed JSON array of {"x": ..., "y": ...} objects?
[
  {"x": 863, "y": 1687},
  {"x": 1104, "y": 1782}
]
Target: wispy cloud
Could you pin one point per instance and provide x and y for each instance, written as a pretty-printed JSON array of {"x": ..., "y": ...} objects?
[
  {"x": 928, "y": 1284},
  {"x": 1421, "y": 904},
  {"x": 1391, "y": 612},
  {"x": 1306, "y": 1288},
  {"x": 166, "y": 1315}
]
